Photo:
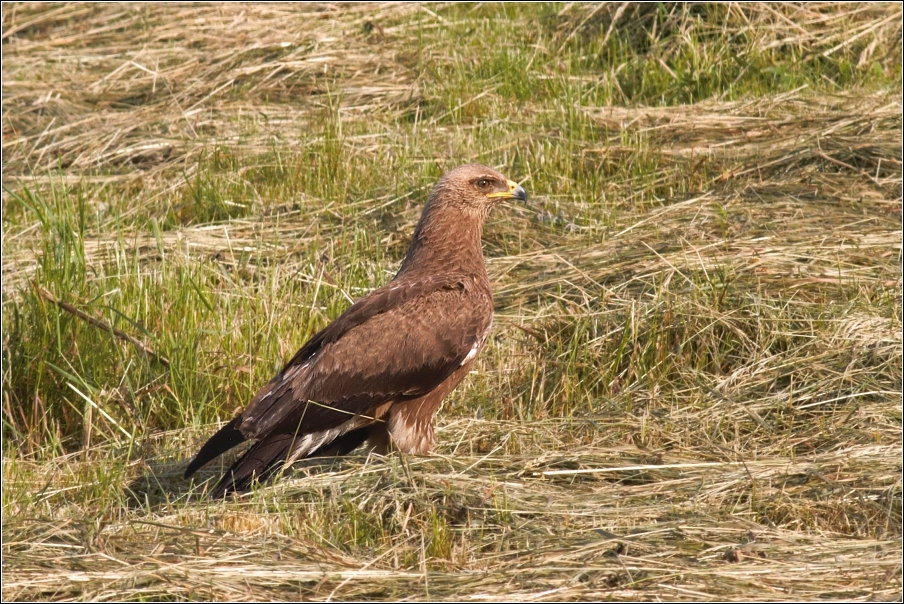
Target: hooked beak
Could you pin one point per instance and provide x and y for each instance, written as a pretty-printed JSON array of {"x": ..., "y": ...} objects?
[{"x": 515, "y": 191}]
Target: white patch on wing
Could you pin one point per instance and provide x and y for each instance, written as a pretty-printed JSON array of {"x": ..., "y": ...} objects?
[
  {"x": 473, "y": 352},
  {"x": 291, "y": 372},
  {"x": 477, "y": 345},
  {"x": 309, "y": 443}
]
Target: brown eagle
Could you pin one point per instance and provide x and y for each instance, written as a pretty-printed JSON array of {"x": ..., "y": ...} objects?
[{"x": 380, "y": 371}]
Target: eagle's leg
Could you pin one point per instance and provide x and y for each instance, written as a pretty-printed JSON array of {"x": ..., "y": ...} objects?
[
  {"x": 378, "y": 439},
  {"x": 409, "y": 424},
  {"x": 395, "y": 434}
]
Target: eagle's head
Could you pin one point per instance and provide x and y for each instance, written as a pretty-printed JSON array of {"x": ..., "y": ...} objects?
[
  {"x": 448, "y": 233},
  {"x": 475, "y": 188}
]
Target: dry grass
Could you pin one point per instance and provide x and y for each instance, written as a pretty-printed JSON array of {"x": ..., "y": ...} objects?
[
  {"x": 164, "y": 98},
  {"x": 694, "y": 386},
  {"x": 556, "y": 523}
]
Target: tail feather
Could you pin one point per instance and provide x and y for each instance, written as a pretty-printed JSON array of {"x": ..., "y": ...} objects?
[
  {"x": 258, "y": 462},
  {"x": 267, "y": 456},
  {"x": 343, "y": 445},
  {"x": 226, "y": 438}
]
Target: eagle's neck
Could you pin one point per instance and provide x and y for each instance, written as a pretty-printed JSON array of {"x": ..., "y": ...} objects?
[{"x": 447, "y": 239}]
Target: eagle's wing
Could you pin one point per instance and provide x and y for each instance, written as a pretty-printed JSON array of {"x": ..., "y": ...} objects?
[{"x": 399, "y": 342}]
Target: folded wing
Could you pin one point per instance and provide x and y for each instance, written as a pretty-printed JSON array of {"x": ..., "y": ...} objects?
[{"x": 397, "y": 344}]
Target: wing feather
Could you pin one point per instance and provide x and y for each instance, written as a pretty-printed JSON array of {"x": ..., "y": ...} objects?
[
  {"x": 398, "y": 343},
  {"x": 226, "y": 438}
]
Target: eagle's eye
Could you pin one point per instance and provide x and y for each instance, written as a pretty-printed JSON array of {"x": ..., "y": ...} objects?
[{"x": 483, "y": 183}]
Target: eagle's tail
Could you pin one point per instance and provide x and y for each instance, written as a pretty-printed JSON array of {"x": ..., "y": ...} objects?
[
  {"x": 226, "y": 438},
  {"x": 260, "y": 461},
  {"x": 266, "y": 457}
]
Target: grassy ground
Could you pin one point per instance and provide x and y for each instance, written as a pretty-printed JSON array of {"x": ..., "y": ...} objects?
[{"x": 693, "y": 390}]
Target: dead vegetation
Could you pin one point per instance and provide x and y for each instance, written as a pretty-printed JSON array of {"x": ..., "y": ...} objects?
[
  {"x": 592, "y": 523},
  {"x": 694, "y": 388},
  {"x": 127, "y": 104}
]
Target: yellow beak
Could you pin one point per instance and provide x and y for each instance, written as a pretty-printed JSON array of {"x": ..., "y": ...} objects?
[{"x": 515, "y": 191}]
